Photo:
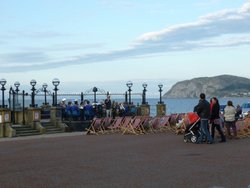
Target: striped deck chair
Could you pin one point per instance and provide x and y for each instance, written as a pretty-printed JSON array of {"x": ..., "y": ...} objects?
[
  {"x": 107, "y": 121},
  {"x": 154, "y": 123},
  {"x": 126, "y": 123},
  {"x": 95, "y": 127},
  {"x": 173, "y": 119},
  {"x": 163, "y": 123},
  {"x": 116, "y": 125},
  {"x": 145, "y": 124},
  {"x": 133, "y": 126}
]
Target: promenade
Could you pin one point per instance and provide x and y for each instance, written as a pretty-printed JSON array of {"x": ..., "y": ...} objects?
[{"x": 155, "y": 160}]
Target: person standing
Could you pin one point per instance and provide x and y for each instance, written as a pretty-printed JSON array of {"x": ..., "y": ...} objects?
[
  {"x": 215, "y": 118},
  {"x": 229, "y": 115},
  {"x": 108, "y": 106},
  {"x": 203, "y": 111}
]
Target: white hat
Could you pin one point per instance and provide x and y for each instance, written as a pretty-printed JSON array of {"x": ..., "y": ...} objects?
[
  {"x": 76, "y": 100},
  {"x": 63, "y": 99}
]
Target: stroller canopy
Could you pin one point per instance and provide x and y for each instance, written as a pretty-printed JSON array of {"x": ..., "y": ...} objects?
[{"x": 192, "y": 117}]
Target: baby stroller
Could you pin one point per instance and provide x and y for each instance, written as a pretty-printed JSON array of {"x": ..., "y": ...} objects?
[{"x": 192, "y": 129}]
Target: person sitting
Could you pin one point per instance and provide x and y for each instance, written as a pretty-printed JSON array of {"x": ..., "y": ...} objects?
[
  {"x": 75, "y": 111},
  {"x": 88, "y": 111},
  {"x": 69, "y": 110}
]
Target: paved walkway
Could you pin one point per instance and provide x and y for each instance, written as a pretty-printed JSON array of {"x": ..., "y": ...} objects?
[{"x": 159, "y": 160}]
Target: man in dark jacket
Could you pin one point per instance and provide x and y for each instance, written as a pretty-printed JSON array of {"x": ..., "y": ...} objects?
[{"x": 203, "y": 110}]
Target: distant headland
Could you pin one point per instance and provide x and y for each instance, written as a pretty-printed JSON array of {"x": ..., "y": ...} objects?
[{"x": 219, "y": 86}]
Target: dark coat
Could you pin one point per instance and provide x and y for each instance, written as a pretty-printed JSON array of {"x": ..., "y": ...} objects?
[
  {"x": 215, "y": 112},
  {"x": 203, "y": 109}
]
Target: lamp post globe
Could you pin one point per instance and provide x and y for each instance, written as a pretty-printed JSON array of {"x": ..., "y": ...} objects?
[
  {"x": 45, "y": 86},
  {"x": 17, "y": 84},
  {"x": 144, "y": 85},
  {"x": 95, "y": 89},
  {"x": 33, "y": 83},
  {"x": 129, "y": 85},
  {"x": 160, "y": 85},
  {"x": 55, "y": 82},
  {"x": 3, "y": 82}
]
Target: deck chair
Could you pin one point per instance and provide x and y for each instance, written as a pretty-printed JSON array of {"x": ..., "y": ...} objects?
[
  {"x": 126, "y": 123},
  {"x": 95, "y": 127},
  {"x": 134, "y": 126},
  {"x": 107, "y": 121},
  {"x": 116, "y": 125},
  {"x": 163, "y": 123},
  {"x": 154, "y": 123},
  {"x": 173, "y": 119},
  {"x": 146, "y": 126}
]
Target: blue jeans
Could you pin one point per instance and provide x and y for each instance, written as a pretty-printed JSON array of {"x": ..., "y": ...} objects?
[{"x": 204, "y": 131}]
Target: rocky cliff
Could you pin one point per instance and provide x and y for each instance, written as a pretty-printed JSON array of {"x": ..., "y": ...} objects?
[{"x": 219, "y": 86}]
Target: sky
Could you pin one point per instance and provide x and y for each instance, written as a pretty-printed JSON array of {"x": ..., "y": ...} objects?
[{"x": 105, "y": 43}]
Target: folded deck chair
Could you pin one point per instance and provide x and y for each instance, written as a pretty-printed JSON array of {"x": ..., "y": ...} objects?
[
  {"x": 116, "y": 125},
  {"x": 95, "y": 127}
]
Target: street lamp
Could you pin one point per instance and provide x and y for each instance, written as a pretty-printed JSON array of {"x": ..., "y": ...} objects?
[
  {"x": 144, "y": 85},
  {"x": 45, "y": 92},
  {"x": 160, "y": 90},
  {"x": 17, "y": 84},
  {"x": 3, "y": 82},
  {"x": 55, "y": 82},
  {"x": 33, "y": 83},
  {"x": 129, "y": 85},
  {"x": 95, "y": 90}
]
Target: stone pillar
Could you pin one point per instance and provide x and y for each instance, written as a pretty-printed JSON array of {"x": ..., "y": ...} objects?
[
  {"x": 56, "y": 118},
  {"x": 53, "y": 115},
  {"x": 145, "y": 110},
  {"x": 33, "y": 115},
  {"x": 160, "y": 109},
  {"x": 5, "y": 118}
]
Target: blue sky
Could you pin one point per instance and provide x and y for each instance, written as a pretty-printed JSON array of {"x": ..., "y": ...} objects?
[{"x": 105, "y": 43}]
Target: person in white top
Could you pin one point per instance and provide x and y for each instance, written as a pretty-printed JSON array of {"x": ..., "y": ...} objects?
[{"x": 229, "y": 115}]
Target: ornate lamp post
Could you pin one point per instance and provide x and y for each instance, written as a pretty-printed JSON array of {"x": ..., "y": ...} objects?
[
  {"x": 33, "y": 83},
  {"x": 160, "y": 90},
  {"x": 95, "y": 90},
  {"x": 17, "y": 84},
  {"x": 144, "y": 85},
  {"x": 3, "y": 82},
  {"x": 129, "y": 85},
  {"x": 45, "y": 92},
  {"x": 55, "y": 82}
]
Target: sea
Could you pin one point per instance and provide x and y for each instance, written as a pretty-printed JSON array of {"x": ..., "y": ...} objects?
[{"x": 172, "y": 105}]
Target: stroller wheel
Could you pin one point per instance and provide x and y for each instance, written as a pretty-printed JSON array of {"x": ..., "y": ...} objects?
[{"x": 194, "y": 139}]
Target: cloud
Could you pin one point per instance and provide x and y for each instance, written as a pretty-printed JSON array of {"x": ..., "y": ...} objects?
[
  {"x": 212, "y": 30},
  {"x": 26, "y": 57},
  {"x": 34, "y": 34}
]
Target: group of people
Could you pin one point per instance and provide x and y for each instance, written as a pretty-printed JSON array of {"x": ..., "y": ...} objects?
[
  {"x": 86, "y": 111},
  {"x": 209, "y": 113}
]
